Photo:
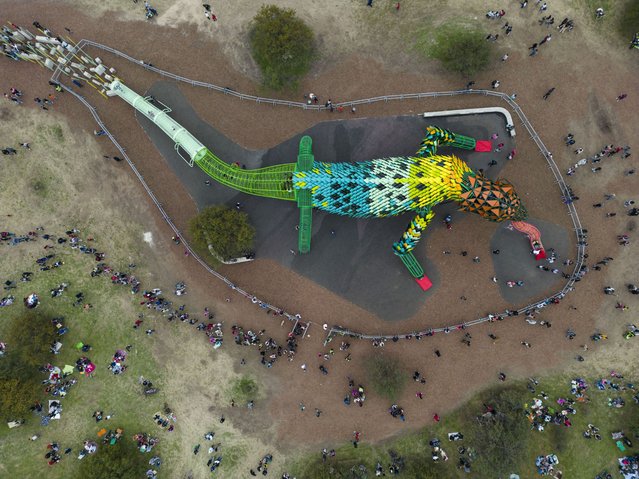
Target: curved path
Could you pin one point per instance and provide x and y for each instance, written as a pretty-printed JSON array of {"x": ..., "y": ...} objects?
[
  {"x": 565, "y": 190},
  {"x": 341, "y": 243}
]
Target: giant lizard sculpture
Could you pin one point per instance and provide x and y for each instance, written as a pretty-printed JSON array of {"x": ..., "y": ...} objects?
[{"x": 369, "y": 189}]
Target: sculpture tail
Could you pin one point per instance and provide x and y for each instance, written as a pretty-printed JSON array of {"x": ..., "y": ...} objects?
[{"x": 270, "y": 182}]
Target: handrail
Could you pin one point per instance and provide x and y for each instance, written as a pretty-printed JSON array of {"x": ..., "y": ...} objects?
[
  {"x": 228, "y": 282},
  {"x": 565, "y": 190}
]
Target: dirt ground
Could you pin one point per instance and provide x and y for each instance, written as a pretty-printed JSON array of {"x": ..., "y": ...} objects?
[{"x": 588, "y": 70}]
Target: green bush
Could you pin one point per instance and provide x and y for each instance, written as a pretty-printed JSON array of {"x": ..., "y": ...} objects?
[
  {"x": 460, "y": 49},
  {"x": 629, "y": 22},
  {"x": 244, "y": 389},
  {"x": 501, "y": 442},
  {"x": 227, "y": 231},
  {"x": 16, "y": 396},
  {"x": 282, "y": 45},
  {"x": 122, "y": 460},
  {"x": 28, "y": 339},
  {"x": 386, "y": 376}
]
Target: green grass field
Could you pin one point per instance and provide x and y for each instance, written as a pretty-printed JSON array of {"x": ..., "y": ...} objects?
[
  {"x": 106, "y": 327},
  {"x": 62, "y": 183},
  {"x": 578, "y": 457},
  {"x": 36, "y": 189}
]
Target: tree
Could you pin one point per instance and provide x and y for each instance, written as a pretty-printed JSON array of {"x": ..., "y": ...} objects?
[
  {"x": 16, "y": 396},
  {"x": 629, "y": 20},
  {"x": 227, "y": 230},
  {"x": 386, "y": 375},
  {"x": 29, "y": 338},
  {"x": 121, "y": 460},
  {"x": 460, "y": 49},
  {"x": 244, "y": 389},
  {"x": 282, "y": 46},
  {"x": 501, "y": 441}
]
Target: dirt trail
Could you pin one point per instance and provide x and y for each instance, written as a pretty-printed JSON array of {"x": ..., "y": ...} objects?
[{"x": 587, "y": 81}]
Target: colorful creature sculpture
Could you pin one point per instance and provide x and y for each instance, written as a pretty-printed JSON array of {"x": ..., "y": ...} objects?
[{"x": 369, "y": 189}]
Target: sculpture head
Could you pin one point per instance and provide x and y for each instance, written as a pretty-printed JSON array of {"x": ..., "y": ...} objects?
[{"x": 493, "y": 200}]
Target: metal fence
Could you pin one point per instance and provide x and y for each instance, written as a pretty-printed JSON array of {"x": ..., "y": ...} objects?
[
  {"x": 295, "y": 318},
  {"x": 337, "y": 330}
]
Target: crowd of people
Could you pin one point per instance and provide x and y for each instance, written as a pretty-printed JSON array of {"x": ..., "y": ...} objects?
[
  {"x": 58, "y": 384},
  {"x": 606, "y": 152},
  {"x": 540, "y": 415},
  {"x": 270, "y": 350}
]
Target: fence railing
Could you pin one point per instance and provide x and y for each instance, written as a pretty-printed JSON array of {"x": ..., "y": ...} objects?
[
  {"x": 263, "y": 304},
  {"x": 337, "y": 330}
]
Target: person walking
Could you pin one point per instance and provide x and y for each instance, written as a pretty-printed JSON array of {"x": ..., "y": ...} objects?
[{"x": 548, "y": 93}]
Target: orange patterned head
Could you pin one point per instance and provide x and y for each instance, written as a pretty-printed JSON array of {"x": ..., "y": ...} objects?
[{"x": 493, "y": 200}]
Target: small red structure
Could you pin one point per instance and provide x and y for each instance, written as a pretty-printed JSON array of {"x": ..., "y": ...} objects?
[
  {"x": 538, "y": 250},
  {"x": 484, "y": 146},
  {"x": 424, "y": 282},
  {"x": 534, "y": 237}
]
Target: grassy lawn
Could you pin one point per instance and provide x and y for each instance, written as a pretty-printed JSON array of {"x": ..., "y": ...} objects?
[
  {"x": 63, "y": 182},
  {"x": 620, "y": 22},
  {"x": 578, "y": 456},
  {"x": 57, "y": 185},
  {"x": 106, "y": 327}
]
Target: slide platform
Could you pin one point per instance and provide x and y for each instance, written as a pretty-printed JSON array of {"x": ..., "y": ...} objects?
[
  {"x": 484, "y": 146},
  {"x": 534, "y": 236},
  {"x": 424, "y": 283}
]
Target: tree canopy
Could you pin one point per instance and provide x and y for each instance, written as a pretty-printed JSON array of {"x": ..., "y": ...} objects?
[
  {"x": 28, "y": 338},
  {"x": 502, "y": 440},
  {"x": 227, "y": 230},
  {"x": 121, "y": 460},
  {"x": 282, "y": 45},
  {"x": 244, "y": 389},
  {"x": 386, "y": 375},
  {"x": 629, "y": 20},
  {"x": 460, "y": 49}
]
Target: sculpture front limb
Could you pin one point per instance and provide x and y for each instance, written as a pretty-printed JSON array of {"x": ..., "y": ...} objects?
[{"x": 413, "y": 233}]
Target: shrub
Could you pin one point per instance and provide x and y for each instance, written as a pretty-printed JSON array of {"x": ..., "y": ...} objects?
[
  {"x": 386, "y": 375},
  {"x": 227, "y": 231},
  {"x": 629, "y": 22},
  {"x": 29, "y": 339},
  {"x": 502, "y": 441},
  {"x": 460, "y": 49},
  {"x": 244, "y": 389},
  {"x": 282, "y": 46},
  {"x": 121, "y": 460}
]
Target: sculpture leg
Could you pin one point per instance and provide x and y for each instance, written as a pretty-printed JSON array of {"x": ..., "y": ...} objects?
[
  {"x": 304, "y": 200},
  {"x": 404, "y": 247},
  {"x": 438, "y": 136},
  {"x": 434, "y": 137}
]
